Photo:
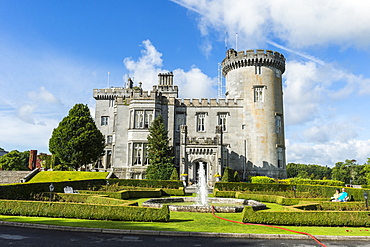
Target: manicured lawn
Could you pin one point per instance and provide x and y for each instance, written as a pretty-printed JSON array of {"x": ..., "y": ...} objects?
[
  {"x": 191, "y": 222},
  {"x": 59, "y": 176}
]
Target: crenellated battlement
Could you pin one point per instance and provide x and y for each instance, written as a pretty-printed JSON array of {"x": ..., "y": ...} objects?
[
  {"x": 209, "y": 102},
  {"x": 235, "y": 60},
  {"x": 126, "y": 93},
  {"x": 111, "y": 93}
]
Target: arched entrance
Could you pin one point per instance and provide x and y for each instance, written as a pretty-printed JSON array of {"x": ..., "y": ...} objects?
[{"x": 196, "y": 165}]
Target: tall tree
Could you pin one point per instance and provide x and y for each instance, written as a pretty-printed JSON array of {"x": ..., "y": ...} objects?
[
  {"x": 160, "y": 153},
  {"x": 15, "y": 161},
  {"x": 77, "y": 141}
]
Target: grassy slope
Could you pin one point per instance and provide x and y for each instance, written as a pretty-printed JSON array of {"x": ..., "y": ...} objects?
[{"x": 58, "y": 176}]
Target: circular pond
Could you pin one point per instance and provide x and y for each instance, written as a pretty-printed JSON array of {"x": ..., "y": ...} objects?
[{"x": 221, "y": 205}]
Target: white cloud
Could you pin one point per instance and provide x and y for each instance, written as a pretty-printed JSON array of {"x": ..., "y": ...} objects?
[
  {"x": 147, "y": 68},
  {"x": 15, "y": 134},
  {"x": 328, "y": 153},
  {"x": 297, "y": 23},
  {"x": 192, "y": 84},
  {"x": 43, "y": 95}
]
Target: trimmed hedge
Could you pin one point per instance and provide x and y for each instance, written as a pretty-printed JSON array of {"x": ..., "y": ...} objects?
[
  {"x": 83, "y": 211},
  {"x": 169, "y": 184},
  {"x": 307, "y": 218},
  {"x": 314, "y": 191},
  {"x": 91, "y": 199},
  {"x": 173, "y": 192},
  {"x": 25, "y": 191},
  {"x": 240, "y": 186},
  {"x": 312, "y": 182},
  {"x": 268, "y": 198}
]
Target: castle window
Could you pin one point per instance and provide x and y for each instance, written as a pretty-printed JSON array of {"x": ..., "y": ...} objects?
[
  {"x": 143, "y": 118},
  {"x": 145, "y": 154},
  {"x": 222, "y": 120},
  {"x": 258, "y": 69},
  {"x": 104, "y": 120},
  {"x": 108, "y": 163},
  {"x": 280, "y": 157},
  {"x": 109, "y": 139},
  {"x": 258, "y": 93},
  {"x": 278, "y": 124},
  {"x": 148, "y": 118},
  {"x": 201, "y": 121},
  {"x": 139, "y": 119},
  {"x": 139, "y": 154}
]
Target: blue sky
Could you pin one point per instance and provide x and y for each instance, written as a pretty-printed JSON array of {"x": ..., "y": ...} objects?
[{"x": 54, "y": 53}]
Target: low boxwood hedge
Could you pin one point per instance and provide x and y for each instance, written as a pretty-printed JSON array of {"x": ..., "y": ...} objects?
[
  {"x": 307, "y": 218},
  {"x": 169, "y": 184},
  {"x": 92, "y": 199},
  {"x": 83, "y": 211}
]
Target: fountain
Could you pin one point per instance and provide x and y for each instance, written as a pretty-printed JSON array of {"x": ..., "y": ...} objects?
[
  {"x": 201, "y": 203},
  {"x": 202, "y": 193}
]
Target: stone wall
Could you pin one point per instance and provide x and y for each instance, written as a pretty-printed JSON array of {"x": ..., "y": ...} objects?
[{"x": 8, "y": 177}]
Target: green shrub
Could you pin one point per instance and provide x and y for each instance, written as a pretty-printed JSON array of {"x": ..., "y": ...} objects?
[
  {"x": 236, "y": 176},
  {"x": 83, "y": 211},
  {"x": 228, "y": 175},
  {"x": 261, "y": 180},
  {"x": 174, "y": 174}
]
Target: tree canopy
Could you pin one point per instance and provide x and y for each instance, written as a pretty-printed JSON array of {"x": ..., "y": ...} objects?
[
  {"x": 308, "y": 171},
  {"x": 15, "y": 161},
  {"x": 160, "y": 153},
  {"x": 349, "y": 172},
  {"x": 77, "y": 141}
]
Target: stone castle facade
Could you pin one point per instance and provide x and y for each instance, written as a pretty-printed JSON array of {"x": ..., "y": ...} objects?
[{"x": 244, "y": 131}]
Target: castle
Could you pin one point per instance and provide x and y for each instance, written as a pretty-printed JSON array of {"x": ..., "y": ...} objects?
[{"x": 244, "y": 131}]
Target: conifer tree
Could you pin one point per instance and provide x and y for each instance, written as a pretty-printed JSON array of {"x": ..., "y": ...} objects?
[
  {"x": 160, "y": 153},
  {"x": 77, "y": 141},
  {"x": 174, "y": 174},
  {"x": 236, "y": 176},
  {"x": 228, "y": 175}
]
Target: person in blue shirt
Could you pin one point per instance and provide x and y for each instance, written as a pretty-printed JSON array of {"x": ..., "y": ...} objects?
[{"x": 343, "y": 197}]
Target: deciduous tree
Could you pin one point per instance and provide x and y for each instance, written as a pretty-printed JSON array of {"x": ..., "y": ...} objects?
[{"x": 15, "y": 161}]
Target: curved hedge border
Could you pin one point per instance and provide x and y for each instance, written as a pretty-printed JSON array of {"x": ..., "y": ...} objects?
[
  {"x": 307, "y": 218},
  {"x": 318, "y": 191},
  {"x": 83, "y": 211}
]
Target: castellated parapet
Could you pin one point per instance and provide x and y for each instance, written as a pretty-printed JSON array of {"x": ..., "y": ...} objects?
[
  {"x": 235, "y": 60},
  {"x": 209, "y": 102}
]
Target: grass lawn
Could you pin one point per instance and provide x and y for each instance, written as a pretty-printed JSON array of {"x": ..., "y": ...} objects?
[
  {"x": 59, "y": 176},
  {"x": 193, "y": 222}
]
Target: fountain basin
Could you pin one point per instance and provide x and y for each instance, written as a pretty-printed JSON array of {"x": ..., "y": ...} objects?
[{"x": 239, "y": 204}]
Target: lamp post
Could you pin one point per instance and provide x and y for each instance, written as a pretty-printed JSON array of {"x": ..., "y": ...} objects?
[
  {"x": 294, "y": 190},
  {"x": 366, "y": 197},
  {"x": 51, "y": 188}
]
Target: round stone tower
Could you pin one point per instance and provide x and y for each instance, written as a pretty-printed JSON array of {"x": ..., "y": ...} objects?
[{"x": 256, "y": 77}]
